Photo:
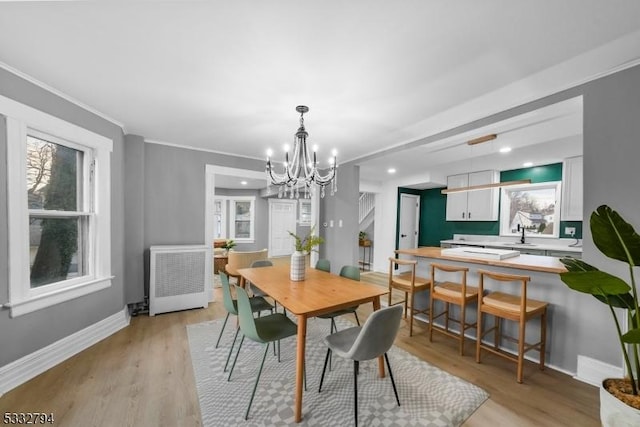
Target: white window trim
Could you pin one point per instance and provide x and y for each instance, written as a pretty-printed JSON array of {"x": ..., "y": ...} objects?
[
  {"x": 232, "y": 218},
  {"x": 23, "y": 299},
  {"x": 504, "y": 211}
]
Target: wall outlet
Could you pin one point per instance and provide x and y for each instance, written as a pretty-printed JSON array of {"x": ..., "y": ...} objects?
[{"x": 571, "y": 231}]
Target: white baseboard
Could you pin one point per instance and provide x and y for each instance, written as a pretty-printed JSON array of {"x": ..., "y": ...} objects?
[
  {"x": 592, "y": 371},
  {"x": 31, "y": 365}
]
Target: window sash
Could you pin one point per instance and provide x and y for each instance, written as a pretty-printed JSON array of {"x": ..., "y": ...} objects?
[
  {"x": 235, "y": 221},
  {"x": 505, "y": 205}
]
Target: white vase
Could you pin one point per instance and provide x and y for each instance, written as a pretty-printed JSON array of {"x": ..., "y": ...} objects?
[
  {"x": 615, "y": 413},
  {"x": 298, "y": 264}
]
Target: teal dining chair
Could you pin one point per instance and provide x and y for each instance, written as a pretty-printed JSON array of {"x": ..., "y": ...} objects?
[
  {"x": 268, "y": 329},
  {"x": 324, "y": 265},
  {"x": 258, "y": 304},
  {"x": 370, "y": 341}
]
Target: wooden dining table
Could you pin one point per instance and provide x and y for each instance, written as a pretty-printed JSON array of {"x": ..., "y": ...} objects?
[{"x": 319, "y": 293}]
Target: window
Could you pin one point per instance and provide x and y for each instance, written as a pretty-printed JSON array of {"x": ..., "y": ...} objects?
[
  {"x": 220, "y": 218},
  {"x": 242, "y": 219},
  {"x": 304, "y": 217},
  {"x": 59, "y": 209},
  {"x": 533, "y": 206}
]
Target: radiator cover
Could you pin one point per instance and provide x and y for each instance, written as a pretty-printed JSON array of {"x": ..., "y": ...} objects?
[{"x": 178, "y": 277}]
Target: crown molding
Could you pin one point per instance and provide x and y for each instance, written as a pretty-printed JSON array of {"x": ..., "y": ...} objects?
[{"x": 62, "y": 95}]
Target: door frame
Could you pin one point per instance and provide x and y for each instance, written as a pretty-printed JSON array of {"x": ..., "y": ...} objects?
[{"x": 416, "y": 228}]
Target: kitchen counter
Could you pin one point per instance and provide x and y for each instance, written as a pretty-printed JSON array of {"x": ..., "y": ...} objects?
[
  {"x": 514, "y": 245},
  {"x": 546, "y": 264},
  {"x": 573, "y": 318}
]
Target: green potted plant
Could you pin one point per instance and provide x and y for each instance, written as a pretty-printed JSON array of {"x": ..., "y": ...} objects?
[
  {"x": 303, "y": 245},
  {"x": 229, "y": 244},
  {"x": 616, "y": 239},
  {"x": 362, "y": 237}
]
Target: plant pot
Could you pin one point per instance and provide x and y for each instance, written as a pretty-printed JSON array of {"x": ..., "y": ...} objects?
[
  {"x": 298, "y": 264},
  {"x": 613, "y": 411}
]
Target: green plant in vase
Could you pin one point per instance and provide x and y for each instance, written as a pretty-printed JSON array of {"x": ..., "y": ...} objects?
[
  {"x": 616, "y": 239},
  {"x": 307, "y": 243}
]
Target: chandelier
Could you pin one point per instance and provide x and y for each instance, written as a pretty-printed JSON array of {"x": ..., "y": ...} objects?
[{"x": 301, "y": 170}]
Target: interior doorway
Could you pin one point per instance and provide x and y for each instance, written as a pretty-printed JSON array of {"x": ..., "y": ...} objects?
[
  {"x": 409, "y": 222},
  {"x": 282, "y": 219}
]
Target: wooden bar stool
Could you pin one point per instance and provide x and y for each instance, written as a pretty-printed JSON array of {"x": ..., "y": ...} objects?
[
  {"x": 408, "y": 283},
  {"x": 457, "y": 293},
  {"x": 517, "y": 308}
]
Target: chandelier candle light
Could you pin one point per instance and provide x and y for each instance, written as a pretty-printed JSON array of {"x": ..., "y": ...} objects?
[{"x": 302, "y": 170}]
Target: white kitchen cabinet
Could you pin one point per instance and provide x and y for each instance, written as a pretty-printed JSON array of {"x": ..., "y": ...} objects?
[
  {"x": 572, "y": 194},
  {"x": 477, "y": 205}
]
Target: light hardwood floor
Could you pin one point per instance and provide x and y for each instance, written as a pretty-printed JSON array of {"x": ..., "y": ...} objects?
[{"x": 142, "y": 376}]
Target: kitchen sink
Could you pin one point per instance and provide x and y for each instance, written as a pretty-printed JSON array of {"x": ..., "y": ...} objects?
[{"x": 523, "y": 244}]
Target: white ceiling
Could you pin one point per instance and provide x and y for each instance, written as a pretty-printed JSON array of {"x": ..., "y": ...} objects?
[{"x": 227, "y": 76}]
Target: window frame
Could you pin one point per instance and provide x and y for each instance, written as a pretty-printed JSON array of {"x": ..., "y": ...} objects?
[
  {"x": 505, "y": 205},
  {"x": 22, "y": 120},
  {"x": 232, "y": 218},
  {"x": 223, "y": 217}
]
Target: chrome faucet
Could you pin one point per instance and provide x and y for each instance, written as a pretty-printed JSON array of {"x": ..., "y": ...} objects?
[{"x": 521, "y": 228}]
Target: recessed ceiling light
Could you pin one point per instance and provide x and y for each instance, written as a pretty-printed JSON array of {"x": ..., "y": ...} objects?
[
  {"x": 243, "y": 182},
  {"x": 505, "y": 149},
  {"x": 391, "y": 170},
  {"x": 527, "y": 164}
]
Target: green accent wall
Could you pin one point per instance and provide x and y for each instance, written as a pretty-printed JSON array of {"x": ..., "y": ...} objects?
[
  {"x": 536, "y": 174},
  {"x": 433, "y": 206}
]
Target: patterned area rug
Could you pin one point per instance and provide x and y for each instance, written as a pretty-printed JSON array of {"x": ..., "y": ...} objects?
[{"x": 428, "y": 396}]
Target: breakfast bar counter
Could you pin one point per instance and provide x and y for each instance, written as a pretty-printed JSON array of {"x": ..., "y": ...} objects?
[
  {"x": 544, "y": 264},
  {"x": 573, "y": 319}
]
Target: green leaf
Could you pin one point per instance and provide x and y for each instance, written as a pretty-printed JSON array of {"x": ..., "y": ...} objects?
[
  {"x": 619, "y": 301},
  {"x": 632, "y": 337},
  {"x": 595, "y": 282},
  {"x": 615, "y": 237},
  {"x": 573, "y": 264}
]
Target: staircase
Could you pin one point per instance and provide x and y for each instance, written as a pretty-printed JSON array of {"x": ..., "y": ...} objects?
[{"x": 366, "y": 206}]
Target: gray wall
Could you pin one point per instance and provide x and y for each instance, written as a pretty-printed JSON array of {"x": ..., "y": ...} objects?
[
  {"x": 26, "y": 334},
  {"x": 174, "y": 194},
  {"x": 134, "y": 214}
]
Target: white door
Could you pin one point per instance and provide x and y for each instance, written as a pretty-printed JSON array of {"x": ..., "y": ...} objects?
[
  {"x": 409, "y": 217},
  {"x": 282, "y": 219}
]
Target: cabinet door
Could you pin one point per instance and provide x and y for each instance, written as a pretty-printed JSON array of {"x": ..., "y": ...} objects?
[
  {"x": 457, "y": 202},
  {"x": 483, "y": 204},
  {"x": 571, "y": 204}
]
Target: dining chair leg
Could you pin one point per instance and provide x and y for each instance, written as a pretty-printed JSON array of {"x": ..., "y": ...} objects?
[
  {"x": 411, "y": 318},
  {"x": 463, "y": 325},
  {"x": 222, "y": 330},
  {"x": 278, "y": 351},
  {"x": 406, "y": 302},
  {"x": 356, "y": 368},
  {"x": 478, "y": 334},
  {"x": 393, "y": 383},
  {"x": 255, "y": 386},
  {"x": 357, "y": 320},
  {"x": 324, "y": 369},
  {"x": 235, "y": 337},
  {"x": 235, "y": 358},
  {"x": 431, "y": 308},
  {"x": 521, "y": 343}
]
